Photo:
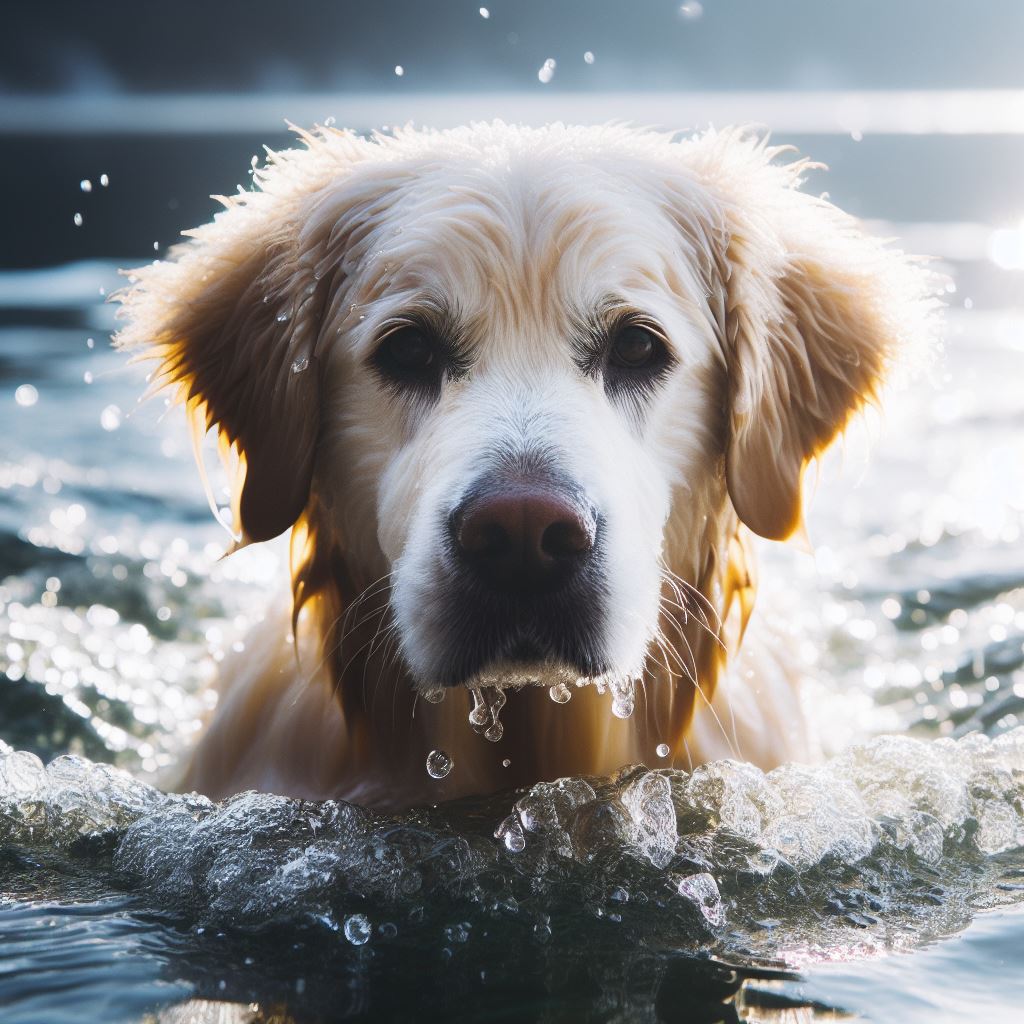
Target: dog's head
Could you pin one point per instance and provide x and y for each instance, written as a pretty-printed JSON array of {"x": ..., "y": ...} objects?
[{"x": 525, "y": 372}]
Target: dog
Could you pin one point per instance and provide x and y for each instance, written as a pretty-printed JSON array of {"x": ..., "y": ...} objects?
[{"x": 522, "y": 396}]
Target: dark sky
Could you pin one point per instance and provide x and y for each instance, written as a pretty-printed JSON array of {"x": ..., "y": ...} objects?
[{"x": 326, "y": 45}]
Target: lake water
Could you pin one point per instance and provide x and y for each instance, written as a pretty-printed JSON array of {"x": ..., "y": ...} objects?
[{"x": 886, "y": 883}]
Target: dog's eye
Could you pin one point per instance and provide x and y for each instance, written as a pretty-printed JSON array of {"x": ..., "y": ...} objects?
[
  {"x": 409, "y": 356},
  {"x": 636, "y": 348}
]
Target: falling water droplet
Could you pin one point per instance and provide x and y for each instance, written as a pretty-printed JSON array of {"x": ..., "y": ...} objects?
[
  {"x": 87, "y": 377},
  {"x": 26, "y": 395},
  {"x": 282, "y": 318},
  {"x": 90, "y": 342},
  {"x": 510, "y": 832},
  {"x": 494, "y": 731},
  {"x": 505, "y": 763},
  {"x": 439, "y": 764},
  {"x": 588, "y": 57},
  {"x": 622, "y": 699},
  {"x": 300, "y": 364},
  {"x": 78, "y": 220},
  {"x": 691, "y": 10},
  {"x": 104, "y": 180},
  {"x": 560, "y": 693},
  {"x": 399, "y": 70},
  {"x": 662, "y": 750},
  {"x": 85, "y": 185},
  {"x": 110, "y": 418},
  {"x": 357, "y": 929},
  {"x": 330, "y": 122},
  {"x": 547, "y": 71},
  {"x": 484, "y": 13}
]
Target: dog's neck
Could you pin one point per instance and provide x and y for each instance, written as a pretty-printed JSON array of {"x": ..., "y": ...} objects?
[{"x": 389, "y": 728}]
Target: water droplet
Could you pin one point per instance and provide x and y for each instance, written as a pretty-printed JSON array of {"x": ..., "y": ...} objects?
[
  {"x": 433, "y": 696},
  {"x": 87, "y": 376},
  {"x": 662, "y": 750},
  {"x": 588, "y": 57},
  {"x": 104, "y": 180},
  {"x": 505, "y": 763},
  {"x": 358, "y": 929},
  {"x": 85, "y": 185},
  {"x": 330, "y": 122},
  {"x": 300, "y": 364},
  {"x": 510, "y": 832},
  {"x": 484, "y": 13},
  {"x": 26, "y": 395},
  {"x": 399, "y": 70},
  {"x": 484, "y": 715},
  {"x": 622, "y": 699},
  {"x": 439, "y": 764},
  {"x": 547, "y": 71},
  {"x": 90, "y": 342},
  {"x": 560, "y": 693},
  {"x": 282, "y": 318},
  {"x": 78, "y": 220},
  {"x": 691, "y": 10},
  {"x": 156, "y": 247},
  {"x": 110, "y": 418}
]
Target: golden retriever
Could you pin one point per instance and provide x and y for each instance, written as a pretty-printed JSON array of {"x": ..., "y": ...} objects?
[{"x": 520, "y": 395}]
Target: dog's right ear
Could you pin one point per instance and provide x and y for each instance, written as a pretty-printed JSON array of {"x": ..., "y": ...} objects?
[{"x": 234, "y": 318}]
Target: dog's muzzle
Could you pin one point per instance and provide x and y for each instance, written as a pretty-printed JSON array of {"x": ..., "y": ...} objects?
[{"x": 526, "y": 580}]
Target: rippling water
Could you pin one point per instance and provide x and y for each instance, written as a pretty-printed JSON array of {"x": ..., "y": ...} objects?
[{"x": 649, "y": 896}]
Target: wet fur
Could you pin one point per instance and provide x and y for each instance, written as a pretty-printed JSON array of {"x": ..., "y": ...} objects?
[{"x": 796, "y": 317}]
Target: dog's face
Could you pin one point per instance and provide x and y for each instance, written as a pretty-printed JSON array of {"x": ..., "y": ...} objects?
[
  {"x": 528, "y": 381},
  {"x": 523, "y": 374}
]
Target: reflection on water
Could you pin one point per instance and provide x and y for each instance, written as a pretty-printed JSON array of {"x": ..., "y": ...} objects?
[{"x": 597, "y": 899}]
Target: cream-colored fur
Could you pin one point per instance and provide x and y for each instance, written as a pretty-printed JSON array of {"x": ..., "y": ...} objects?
[{"x": 782, "y": 318}]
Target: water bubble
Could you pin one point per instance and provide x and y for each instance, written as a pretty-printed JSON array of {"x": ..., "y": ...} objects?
[
  {"x": 484, "y": 13},
  {"x": 547, "y": 71},
  {"x": 662, "y": 750},
  {"x": 78, "y": 220},
  {"x": 439, "y": 764},
  {"x": 300, "y": 364},
  {"x": 494, "y": 731},
  {"x": 104, "y": 180},
  {"x": 433, "y": 696},
  {"x": 85, "y": 185},
  {"x": 110, "y": 418},
  {"x": 358, "y": 929},
  {"x": 505, "y": 763},
  {"x": 691, "y": 10},
  {"x": 399, "y": 70},
  {"x": 26, "y": 396},
  {"x": 588, "y": 57},
  {"x": 560, "y": 693}
]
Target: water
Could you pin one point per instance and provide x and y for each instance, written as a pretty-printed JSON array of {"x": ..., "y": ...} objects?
[{"x": 886, "y": 882}]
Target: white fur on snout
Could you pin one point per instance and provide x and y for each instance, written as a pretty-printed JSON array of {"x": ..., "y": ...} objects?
[{"x": 566, "y": 425}]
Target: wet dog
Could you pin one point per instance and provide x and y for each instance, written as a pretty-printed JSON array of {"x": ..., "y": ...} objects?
[{"x": 521, "y": 395}]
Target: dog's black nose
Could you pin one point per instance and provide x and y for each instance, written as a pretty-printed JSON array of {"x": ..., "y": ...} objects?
[{"x": 524, "y": 536}]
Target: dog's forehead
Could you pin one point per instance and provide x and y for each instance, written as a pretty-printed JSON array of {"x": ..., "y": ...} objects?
[{"x": 521, "y": 240}]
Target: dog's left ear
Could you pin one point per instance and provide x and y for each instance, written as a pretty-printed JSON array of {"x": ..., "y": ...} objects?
[{"x": 811, "y": 313}]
